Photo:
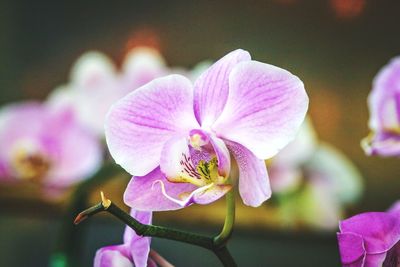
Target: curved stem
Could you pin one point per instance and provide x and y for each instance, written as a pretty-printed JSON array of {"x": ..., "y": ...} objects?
[
  {"x": 221, "y": 239},
  {"x": 163, "y": 232}
]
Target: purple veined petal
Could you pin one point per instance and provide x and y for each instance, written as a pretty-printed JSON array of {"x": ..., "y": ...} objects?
[
  {"x": 139, "y": 124},
  {"x": 142, "y": 194},
  {"x": 254, "y": 187},
  {"x": 383, "y": 102},
  {"x": 384, "y": 144},
  {"x": 211, "y": 89},
  {"x": 351, "y": 249},
  {"x": 380, "y": 230},
  {"x": 113, "y": 256},
  {"x": 266, "y": 106}
]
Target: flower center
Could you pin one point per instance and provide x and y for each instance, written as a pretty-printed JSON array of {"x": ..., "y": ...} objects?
[
  {"x": 30, "y": 166},
  {"x": 199, "y": 165}
]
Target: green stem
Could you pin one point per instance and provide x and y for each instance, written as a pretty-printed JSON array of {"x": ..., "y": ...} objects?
[
  {"x": 225, "y": 257},
  {"x": 221, "y": 239},
  {"x": 163, "y": 232}
]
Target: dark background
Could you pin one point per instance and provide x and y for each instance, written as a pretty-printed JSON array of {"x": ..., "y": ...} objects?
[{"x": 336, "y": 54}]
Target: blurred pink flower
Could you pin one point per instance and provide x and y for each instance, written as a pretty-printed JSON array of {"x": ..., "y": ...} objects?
[
  {"x": 96, "y": 84},
  {"x": 176, "y": 138},
  {"x": 47, "y": 146},
  {"x": 313, "y": 180},
  {"x": 384, "y": 107},
  {"x": 371, "y": 239}
]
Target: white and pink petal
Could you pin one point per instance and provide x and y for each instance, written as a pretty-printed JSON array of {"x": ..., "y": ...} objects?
[
  {"x": 138, "y": 125},
  {"x": 265, "y": 107}
]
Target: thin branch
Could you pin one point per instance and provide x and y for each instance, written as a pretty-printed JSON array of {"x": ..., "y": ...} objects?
[
  {"x": 167, "y": 233},
  {"x": 144, "y": 229}
]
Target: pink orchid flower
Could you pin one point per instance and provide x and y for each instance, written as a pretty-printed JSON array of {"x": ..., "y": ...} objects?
[
  {"x": 371, "y": 239},
  {"x": 384, "y": 107},
  {"x": 42, "y": 145},
  {"x": 134, "y": 252},
  {"x": 176, "y": 138}
]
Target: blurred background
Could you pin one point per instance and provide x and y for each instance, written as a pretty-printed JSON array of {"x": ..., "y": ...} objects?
[{"x": 335, "y": 46}]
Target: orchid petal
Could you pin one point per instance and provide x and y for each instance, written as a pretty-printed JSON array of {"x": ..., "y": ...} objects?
[
  {"x": 374, "y": 260},
  {"x": 211, "y": 89},
  {"x": 384, "y": 144},
  {"x": 140, "y": 193},
  {"x": 140, "y": 249},
  {"x": 266, "y": 106},
  {"x": 112, "y": 256},
  {"x": 91, "y": 70},
  {"x": 171, "y": 156},
  {"x": 222, "y": 152},
  {"x": 202, "y": 195},
  {"x": 380, "y": 230},
  {"x": 340, "y": 175},
  {"x": 211, "y": 194},
  {"x": 254, "y": 184},
  {"x": 383, "y": 102},
  {"x": 76, "y": 153},
  {"x": 141, "y": 65},
  {"x": 351, "y": 248},
  {"x": 139, "y": 124},
  {"x": 189, "y": 198}
]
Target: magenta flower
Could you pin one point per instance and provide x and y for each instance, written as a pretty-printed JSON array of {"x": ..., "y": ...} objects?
[
  {"x": 42, "y": 145},
  {"x": 371, "y": 239},
  {"x": 176, "y": 138},
  {"x": 133, "y": 252},
  {"x": 384, "y": 107}
]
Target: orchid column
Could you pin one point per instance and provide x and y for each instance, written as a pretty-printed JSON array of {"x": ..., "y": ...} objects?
[{"x": 176, "y": 138}]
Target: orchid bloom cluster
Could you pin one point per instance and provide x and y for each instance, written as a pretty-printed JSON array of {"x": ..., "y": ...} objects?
[
  {"x": 47, "y": 146},
  {"x": 96, "y": 83},
  {"x": 59, "y": 142},
  {"x": 312, "y": 181},
  {"x": 371, "y": 239},
  {"x": 384, "y": 107},
  {"x": 176, "y": 138}
]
